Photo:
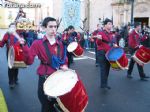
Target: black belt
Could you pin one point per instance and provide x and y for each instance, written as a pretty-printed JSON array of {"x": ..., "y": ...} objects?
[
  {"x": 105, "y": 41},
  {"x": 45, "y": 63},
  {"x": 44, "y": 76}
]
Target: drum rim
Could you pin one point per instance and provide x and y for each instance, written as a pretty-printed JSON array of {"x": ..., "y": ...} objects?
[
  {"x": 11, "y": 49},
  {"x": 52, "y": 75},
  {"x": 69, "y": 46}
]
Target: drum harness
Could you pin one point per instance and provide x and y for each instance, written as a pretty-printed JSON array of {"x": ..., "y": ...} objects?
[{"x": 54, "y": 61}]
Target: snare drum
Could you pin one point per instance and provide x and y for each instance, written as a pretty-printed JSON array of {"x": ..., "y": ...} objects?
[
  {"x": 142, "y": 55},
  {"x": 117, "y": 58},
  {"x": 15, "y": 57},
  {"x": 75, "y": 48},
  {"x": 68, "y": 90}
]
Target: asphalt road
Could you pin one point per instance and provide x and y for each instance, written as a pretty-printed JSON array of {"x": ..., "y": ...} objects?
[{"x": 126, "y": 95}]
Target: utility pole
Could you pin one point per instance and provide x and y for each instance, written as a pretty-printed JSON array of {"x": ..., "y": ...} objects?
[{"x": 132, "y": 11}]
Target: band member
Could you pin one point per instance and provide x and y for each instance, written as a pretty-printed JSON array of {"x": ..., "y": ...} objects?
[
  {"x": 94, "y": 34},
  {"x": 67, "y": 38},
  {"x": 105, "y": 41},
  {"x": 10, "y": 39},
  {"x": 134, "y": 44},
  {"x": 51, "y": 53}
]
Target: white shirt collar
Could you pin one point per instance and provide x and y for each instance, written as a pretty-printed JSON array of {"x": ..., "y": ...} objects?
[{"x": 52, "y": 40}]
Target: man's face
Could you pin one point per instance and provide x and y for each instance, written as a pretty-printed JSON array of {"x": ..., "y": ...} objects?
[
  {"x": 98, "y": 27},
  {"x": 71, "y": 30},
  {"x": 138, "y": 28},
  {"x": 12, "y": 29},
  {"x": 108, "y": 26},
  {"x": 51, "y": 28}
]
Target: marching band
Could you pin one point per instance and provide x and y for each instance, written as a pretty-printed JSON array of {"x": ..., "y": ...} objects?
[{"x": 56, "y": 55}]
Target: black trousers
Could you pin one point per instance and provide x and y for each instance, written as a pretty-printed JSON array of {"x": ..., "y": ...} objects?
[
  {"x": 12, "y": 73},
  {"x": 96, "y": 55},
  {"x": 70, "y": 58},
  {"x": 131, "y": 65},
  {"x": 47, "y": 103},
  {"x": 104, "y": 67}
]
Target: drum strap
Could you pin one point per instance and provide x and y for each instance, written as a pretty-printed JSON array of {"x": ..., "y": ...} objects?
[
  {"x": 55, "y": 61},
  {"x": 106, "y": 34},
  {"x": 48, "y": 52}
]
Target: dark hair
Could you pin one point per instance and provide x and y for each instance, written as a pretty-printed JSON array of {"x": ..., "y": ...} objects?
[
  {"x": 74, "y": 34},
  {"x": 46, "y": 20},
  {"x": 65, "y": 30},
  {"x": 70, "y": 27},
  {"x": 12, "y": 24},
  {"x": 106, "y": 21},
  {"x": 137, "y": 24}
]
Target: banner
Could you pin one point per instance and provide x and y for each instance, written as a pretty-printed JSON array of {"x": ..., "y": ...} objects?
[{"x": 71, "y": 13}]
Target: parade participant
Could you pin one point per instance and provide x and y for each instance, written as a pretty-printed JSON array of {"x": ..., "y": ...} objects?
[
  {"x": 94, "y": 34},
  {"x": 134, "y": 44},
  {"x": 67, "y": 38},
  {"x": 105, "y": 41},
  {"x": 10, "y": 39},
  {"x": 51, "y": 53}
]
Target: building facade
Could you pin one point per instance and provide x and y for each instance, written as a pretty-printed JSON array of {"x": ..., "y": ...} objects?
[{"x": 92, "y": 12}]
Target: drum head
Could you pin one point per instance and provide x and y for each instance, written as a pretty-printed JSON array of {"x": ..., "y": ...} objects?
[
  {"x": 72, "y": 46},
  {"x": 60, "y": 83},
  {"x": 114, "y": 54},
  {"x": 11, "y": 57}
]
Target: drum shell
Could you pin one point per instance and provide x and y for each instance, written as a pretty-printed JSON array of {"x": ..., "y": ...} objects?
[
  {"x": 78, "y": 51},
  {"x": 18, "y": 53},
  {"x": 78, "y": 99},
  {"x": 121, "y": 62},
  {"x": 18, "y": 58},
  {"x": 142, "y": 55}
]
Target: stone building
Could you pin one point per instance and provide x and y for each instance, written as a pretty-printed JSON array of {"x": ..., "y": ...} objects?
[{"x": 92, "y": 12}]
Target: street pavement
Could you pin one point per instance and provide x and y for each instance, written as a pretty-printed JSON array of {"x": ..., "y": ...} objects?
[{"x": 126, "y": 95}]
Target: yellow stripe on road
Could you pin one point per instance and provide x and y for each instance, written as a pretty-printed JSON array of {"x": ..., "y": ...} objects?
[{"x": 3, "y": 106}]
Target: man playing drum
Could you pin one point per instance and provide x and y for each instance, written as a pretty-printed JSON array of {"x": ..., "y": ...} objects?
[
  {"x": 10, "y": 39},
  {"x": 105, "y": 41},
  {"x": 67, "y": 38},
  {"x": 46, "y": 49},
  {"x": 134, "y": 44}
]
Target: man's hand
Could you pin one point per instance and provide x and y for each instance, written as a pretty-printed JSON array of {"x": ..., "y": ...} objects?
[
  {"x": 64, "y": 67},
  {"x": 99, "y": 37},
  {"x": 22, "y": 41},
  {"x": 115, "y": 45}
]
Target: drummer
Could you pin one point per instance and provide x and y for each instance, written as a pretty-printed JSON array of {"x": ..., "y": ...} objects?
[
  {"x": 134, "y": 44},
  {"x": 105, "y": 41},
  {"x": 49, "y": 50},
  {"x": 11, "y": 38},
  {"x": 68, "y": 37}
]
